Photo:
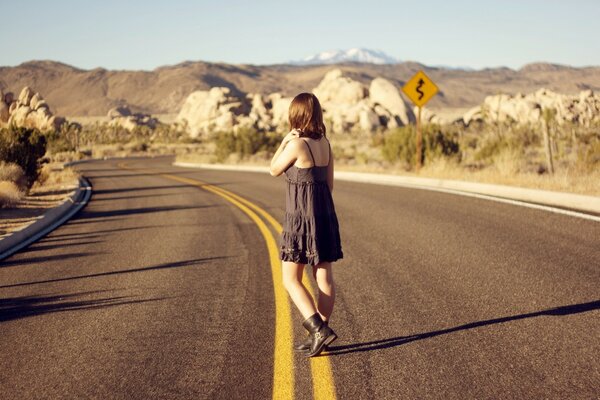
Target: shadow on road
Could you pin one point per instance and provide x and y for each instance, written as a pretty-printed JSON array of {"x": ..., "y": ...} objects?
[
  {"x": 134, "y": 211},
  {"x": 82, "y": 221},
  {"x": 136, "y": 189},
  {"x": 59, "y": 237},
  {"x": 400, "y": 340},
  {"x": 40, "y": 246},
  {"x": 33, "y": 260},
  {"x": 125, "y": 174},
  {"x": 137, "y": 197},
  {"x": 29, "y": 306},
  {"x": 177, "y": 264}
]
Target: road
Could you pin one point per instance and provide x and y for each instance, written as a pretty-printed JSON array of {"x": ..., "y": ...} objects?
[{"x": 162, "y": 289}]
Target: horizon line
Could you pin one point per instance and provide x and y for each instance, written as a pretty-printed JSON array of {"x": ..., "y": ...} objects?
[{"x": 298, "y": 64}]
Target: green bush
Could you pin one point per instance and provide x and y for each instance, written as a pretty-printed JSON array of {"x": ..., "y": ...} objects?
[
  {"x": 24, "y": 147},
  {"x": 245, "y": 142},
  {"x": 400, "y": 144},
  {"x": 60, "y": 141}
]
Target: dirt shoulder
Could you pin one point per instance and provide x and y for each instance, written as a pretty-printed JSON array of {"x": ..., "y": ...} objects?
[{"x": 58, "y": 185}]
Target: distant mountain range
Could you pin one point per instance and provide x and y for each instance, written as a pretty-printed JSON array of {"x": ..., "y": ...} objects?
[
  {"x": 72, "y": 91},
  {"x": 355, "y": 55}
]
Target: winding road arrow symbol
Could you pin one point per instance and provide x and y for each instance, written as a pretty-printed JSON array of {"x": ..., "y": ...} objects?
[{"x": 421, "y": 83}]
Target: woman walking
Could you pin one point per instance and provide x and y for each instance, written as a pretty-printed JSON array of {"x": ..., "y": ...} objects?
[{"x": 310, "y": 228}]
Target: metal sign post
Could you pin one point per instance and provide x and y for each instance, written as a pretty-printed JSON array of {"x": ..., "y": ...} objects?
[
  {"x": 419, "y": 140},
  {"x": 419, "y": 89}
]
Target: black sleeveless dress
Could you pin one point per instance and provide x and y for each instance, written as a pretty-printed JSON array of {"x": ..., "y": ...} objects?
[{"x": 310, "y": 228}]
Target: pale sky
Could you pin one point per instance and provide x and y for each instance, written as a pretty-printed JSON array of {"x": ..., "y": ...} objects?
[{"x": 148, "y": 34}]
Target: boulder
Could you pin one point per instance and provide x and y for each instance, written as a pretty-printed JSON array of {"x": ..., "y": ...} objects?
[
  {"x": 35, "y": 99},
  {"x": 338, "y": 89},
  {"x": 258, "y": 110},
  {"x": 30, "y": 110},
  {"x": 368, "y": 120},
  {"x": 279, "y": 110},
  {"x": 474, "y": 114},
  {"x": 41, "y": 104},
  {"x": 583, "y": 108},
  {"x": 120, "y": 111},
  {"x": 122, "y": 116},
  {"x": 19, "y": 116},
  {"x": 427, "y": 116},
  {"x": 383, "y": 92},
  {"x": 216, "y": 108},
  {"x": 56, "y": 123},
  {"x": 25, "y": 96},
  {"x": 38, "y": 120}
]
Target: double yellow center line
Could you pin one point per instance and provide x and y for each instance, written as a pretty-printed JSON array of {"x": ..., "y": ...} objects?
[{"x": 283, "y": 368}]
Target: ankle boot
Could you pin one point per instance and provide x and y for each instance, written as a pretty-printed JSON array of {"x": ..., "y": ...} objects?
[
  {"x": 305, "y": 346},
  {"x": 320, "y": 333}
]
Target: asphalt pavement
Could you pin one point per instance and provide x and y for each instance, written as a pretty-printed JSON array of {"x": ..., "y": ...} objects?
[{"x": 159, "y": 289}]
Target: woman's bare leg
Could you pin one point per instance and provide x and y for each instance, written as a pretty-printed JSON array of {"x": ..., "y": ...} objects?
[
  {"x": 292, "y": 281},
  {"x": 323, "y": 274}
]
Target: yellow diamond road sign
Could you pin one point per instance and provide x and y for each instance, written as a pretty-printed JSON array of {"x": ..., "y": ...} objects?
[{"x": 420, "y": 89}]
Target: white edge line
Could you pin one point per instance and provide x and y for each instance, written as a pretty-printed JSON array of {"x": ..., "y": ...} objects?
[
  {"x": 509, "y": 201},
  {"x": 450, "y": 191},
  {"x": 87, "y": 188}
]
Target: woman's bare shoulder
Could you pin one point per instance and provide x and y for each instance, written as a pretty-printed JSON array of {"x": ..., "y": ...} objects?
[{"x": 295, "y": 144}]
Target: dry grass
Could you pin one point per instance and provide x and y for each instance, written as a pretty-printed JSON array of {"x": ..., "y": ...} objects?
[
  {"x": 357, "y": 154},
  {"x": 10, "y": 195},
  {"x": 54, "y": 185},
  {"x": 507, "y": 173},
  {"x": 10, "y": 172},
  {"x": 53, "y": 175}
]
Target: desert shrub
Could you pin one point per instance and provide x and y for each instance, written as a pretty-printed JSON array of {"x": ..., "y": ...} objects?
[
  {"x": 437, "y": 143},
  {"x": 9, "y": 194},
  {"x": 400, "y": 144},
  {"x": 24, "y": 147},
  {"x": 58, "y": 143},
  {"x": 512, "y": 140},
  {"x": 588, "y": 152},
  {"x": 64, "y": 140},
  {"x": 245, "y": 142},
  {"x": 102, "y": 133},
  {"x": 11, "y": 172},
  {"x": 137, "y": 146},
  {"x": 225, "y": 145}
]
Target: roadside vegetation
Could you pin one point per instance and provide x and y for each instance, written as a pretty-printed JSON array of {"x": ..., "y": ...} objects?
[
  {"x": 26, "y": 169},
  {"x": 503, "y": 153}
]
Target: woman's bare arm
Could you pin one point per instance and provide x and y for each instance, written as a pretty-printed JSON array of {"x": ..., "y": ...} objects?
[
  {"x": 330, "y": 170},
  {"x": 286, "y": 154}
]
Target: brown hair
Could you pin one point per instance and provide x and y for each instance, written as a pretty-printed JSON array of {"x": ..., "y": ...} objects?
[{"x": 306, "y": 116}]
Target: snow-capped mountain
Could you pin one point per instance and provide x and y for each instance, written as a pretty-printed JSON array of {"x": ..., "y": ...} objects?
[{"x": 351, "y": 55}]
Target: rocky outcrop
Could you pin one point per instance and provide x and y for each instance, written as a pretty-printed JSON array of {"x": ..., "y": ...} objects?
[
  {"x": 429, "y": 117},
  {"x": 123, "y": 117},
  {"x": 338, "y": 89},
  {"x": 383, "y": 92},
  {"x": 216, "y": 109},
  {"x": 529, "y": 109},
  {"x": 348, "y": 105},
  {"x": 29, "y": 110}
]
